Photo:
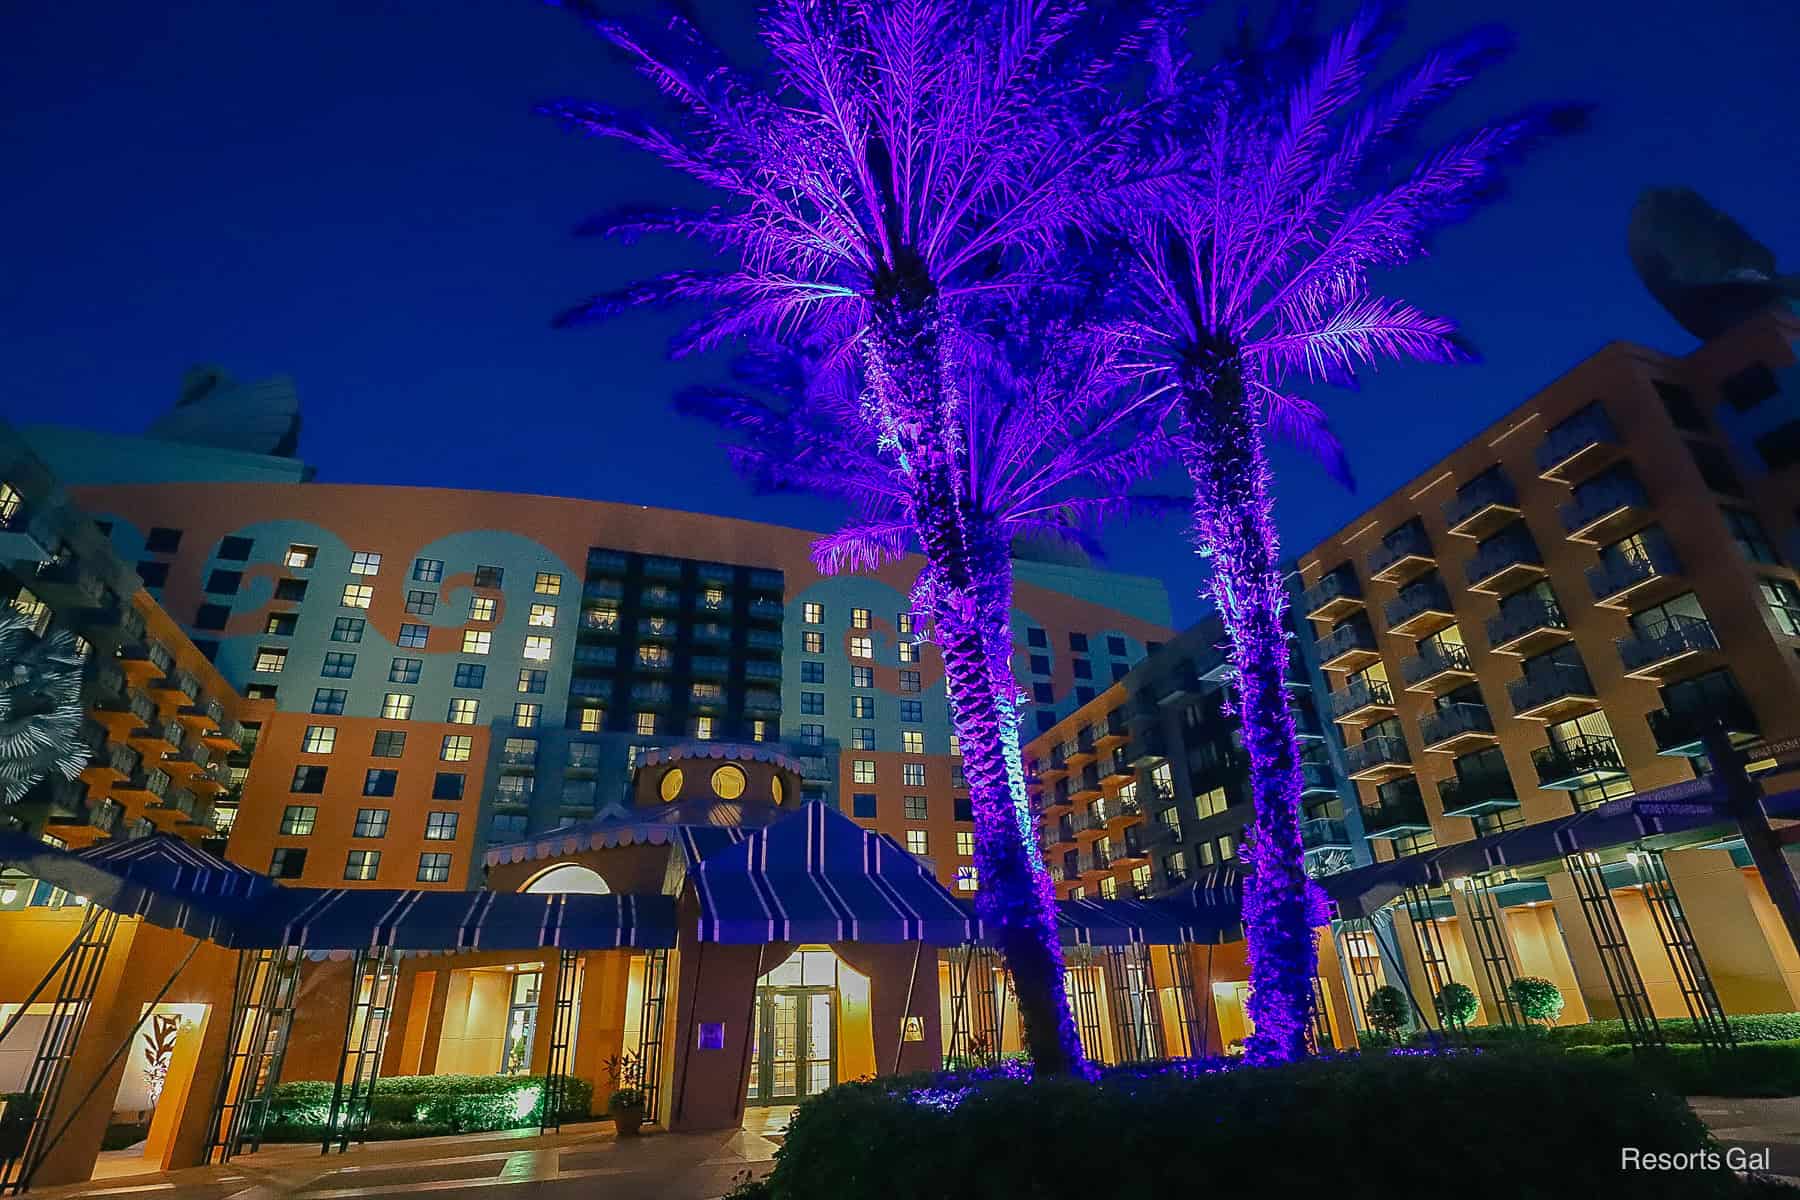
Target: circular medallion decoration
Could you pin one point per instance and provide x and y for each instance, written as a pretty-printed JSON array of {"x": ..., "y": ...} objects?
[
  {"x": 728, "y": 782},
  {"x": 671, "y": 785},
  {"x": 775, "y": 791}
]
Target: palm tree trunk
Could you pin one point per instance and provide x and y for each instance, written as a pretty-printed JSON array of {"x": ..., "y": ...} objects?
[
  {"x": 968, "y": 585},
  {"x": 1233, "y": 522}
]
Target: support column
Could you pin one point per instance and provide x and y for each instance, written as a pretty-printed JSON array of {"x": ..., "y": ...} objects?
[
  {"x": 1337, "y": 998},
  {"x": 1478, "y": 911},
  {"x": 441, "y": 980},
  {"x": 1754, "y": 967},
  {"x": 716, "y": 984},
  {"x": 546, "y": 1013},
  {"x": 1584, "y": 956},
  {"x": 605, "y": 983}
]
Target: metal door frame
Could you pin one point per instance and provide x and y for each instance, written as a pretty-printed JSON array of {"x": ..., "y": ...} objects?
[{"x": 762, "y": 1063}]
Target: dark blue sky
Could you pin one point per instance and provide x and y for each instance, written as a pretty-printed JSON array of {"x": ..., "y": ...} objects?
[{"x": 356, "y": 194}]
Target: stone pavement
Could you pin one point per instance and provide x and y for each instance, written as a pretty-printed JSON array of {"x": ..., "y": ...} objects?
[
  {"x": 1756, "y": 1125},
  {"x": 583, "y": 1160}
]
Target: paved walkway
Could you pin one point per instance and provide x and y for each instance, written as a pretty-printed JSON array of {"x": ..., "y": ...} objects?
[
  {"x": 1757, "y": 1125},
  {"x": 583, "y": 1160}
]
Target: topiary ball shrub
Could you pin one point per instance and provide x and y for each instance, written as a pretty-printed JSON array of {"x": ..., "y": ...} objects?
[
  {"x": 1484, "y": 1126},
  {"x": 1386, "y": 1011},
  {"x": 1457, "y": 1004},
  {"x": 1538, "y": 999}
]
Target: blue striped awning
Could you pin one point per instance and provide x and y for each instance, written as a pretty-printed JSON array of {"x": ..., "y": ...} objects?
[
  {"x": 160, "y": 879},
  {"x": 369, "y": 918},
  {"x": 817, "y": 876}
]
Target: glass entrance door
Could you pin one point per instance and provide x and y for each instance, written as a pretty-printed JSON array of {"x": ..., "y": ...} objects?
[{"x": 793, "y": 1050}]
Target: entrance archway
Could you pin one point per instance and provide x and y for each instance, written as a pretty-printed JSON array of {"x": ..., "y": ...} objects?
[{"x": 810, "y": 1027}]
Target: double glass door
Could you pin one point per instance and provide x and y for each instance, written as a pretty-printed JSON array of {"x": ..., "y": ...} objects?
[{"x": 793, "y": 1052}]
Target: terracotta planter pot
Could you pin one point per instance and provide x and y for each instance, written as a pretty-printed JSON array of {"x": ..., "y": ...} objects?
[{"x": 628, "y": 1120}]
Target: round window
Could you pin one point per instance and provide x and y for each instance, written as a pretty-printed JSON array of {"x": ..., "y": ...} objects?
[
  {"x": 671, "y": 784},
  {"x": 775, "y": 789},
  {"x": 728, "y": 782}
]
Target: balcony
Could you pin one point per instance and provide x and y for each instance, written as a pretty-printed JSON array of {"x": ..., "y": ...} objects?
[
  {"x": 1114, "y": 731},
  {"x": 1475, "y": 795},
  {"x": 600, "y": 590},
  {"x": 145, "y": 660},
  {"x": 762, "y": 669},
  {"x": 1482, "y": 506},
  {"x": 1361, "y": 702},
  {"x": 1180, "y": 683},
  {"x": 765, "y": 580},
  {"x": 145, "y": 783},
  {"x": 1526, "y": 625},
  {"x": 1316, "y": 779},
  {"x": 1671, "y": 649},
  {"x": 1680, "y": 730},
  {"x": 1379, "y": 758},
  {"x": 712, "y": 635},
  {"x": 712, "y": 574},
  {"x": 114, "y": 762},
  {"x": 763, "y": 641},
  {"x": 657, "y": 598},
  {"x": 1085, "y": 786},
  {"x": 157, "y": 738},
  {"x": 1325, "y": 833},
  {"x": 764, "y": 609},
  {"x": 657, "y": 567},
  {"x": 1437, "y": 667},
  {"x": 1578, "y": 447},
  {"x": 1625, "y": 580},
  {"x": 228, "y": 737},
  {"x": 105, "y": 682},
  {"x": 177, "y": 688},
  {"x": 763, "y": 702},
  {"x": 1056, "y": 796},
  {"x": 1454, "y": 728},
  {"x": 1348, "y": 648},
  {"x": 1307, "y": 726},
  {"x": 651, "y": 694},
  {"x": 1055, "y": 765},
  {"x": 1060, "y": 833},
  {"x": 25, "y": 534},
  {"x": 1404, "y": 555},
  {"x": 1505, "y": 562},
  {"x": 1421, "y": 609},
  {"x": 657, "y": 629},
  {"x": 66, "y": 582},
  {"x": 592, "y": 659},
  {"x": 1083, "y": 750},
  {"x": 203, "y": 715},
  {"x": 1554, "y": 692},
  {"x": 1604, "y": 507},
  {"x": 606, "y": 562},
  {"x": 1116, "y": 764},
  {"x": 1335, "y": 596},
  {"x": 1149, "y": 747},
  {"x": 1581, "y": 762},
  {"x": 1401, "y": 813},
  {"x": 123, "y": 714},
  {"x": 1130, "y": 849}
]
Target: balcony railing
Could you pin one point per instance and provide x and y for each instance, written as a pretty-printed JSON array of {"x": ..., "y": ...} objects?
[
  {"x": 1680, "y": 730},
  {"x": 763, "y": 639},
  {"x": 1405, "y": 550},
  {"x": 1587, "y": 430},
  {"x": 764, "y": 609},
  {"x": 1436, "y": 659},
  {"x": 1677, "y": 637},
  {"x": 765, "y": 580},
  {"x": 1360, "y": 696},
  {"x": 1523, "y": 619},
  {"x": 1548, "y": 686},
  {"x": 657, "y": 567},
  {"x": 1459, "y": 722},
  {"x": 1316, "y": 778},
  {"x": 1419, "y": 604},
  {"x": 1622, "y": 572},
  {"x": 1324, "y": 833},
  {"x": 1338, "y": 591},
  {"x": 1400, "y": 812},
  {"x": 651, "y": 693},
  {"x": 609, "y": 561},
  {"x": 1474, "y": 794},
  {"x": 1373, "y": 755},
  {"x": 1347, "y": 640},
  {"x": 1479, "y": 502},
  {"x": 1599, "y": 500},
  {"x": 1503, "y": 555},
  {"x": 762, "y": 702},
  {"x": 1577, "y": 763}
]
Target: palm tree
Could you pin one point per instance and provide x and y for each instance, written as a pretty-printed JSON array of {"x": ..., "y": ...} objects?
[
  {"x": 1256, "y": 273},
  {"x": 903, "y": 167},
  {"x": 40, "y": 706},
  {"x": 1046, "y": 449}
]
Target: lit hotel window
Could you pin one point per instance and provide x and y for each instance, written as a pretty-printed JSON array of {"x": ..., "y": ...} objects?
[
  {"x": 543, "y": 615},
  {"x": 397, "y": 706},
  {"x": 358, "y": 595},
  {"x": 483, "y": 608},
  {"x": 525, "y": 716},
  {"x": 812, "y": 613},
  {"x": 912, "y": 741},
  {"x": 270, "y": 660},
  {"x": 859, "y": 618},
  {"x": 965, "y": 843},
  {"x": 320, "y": 739},
  {"x": 547, "y": 583},
  {"x": 966, "y": 879},
  {"x": 362, "y": 864},
  {"x": 862, "y": 770},
  {"x": 364, "y": 562},
  {"x": 477, "y": 641},
  {"x": 457, "y": 747},
  {"x": 537, "y": 649},
  {"x": 862, "y": 647},
  {"x": 592, "y": 719},
  {"x": 300, "y": 557},
  {"x": 646, "y": 724},
  {"x": 915, "y": 841},
  {"x": 703, "y": 728},
  {"x": 463, "y": 711}
]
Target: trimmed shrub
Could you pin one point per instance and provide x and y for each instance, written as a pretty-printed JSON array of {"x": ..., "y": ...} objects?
[
  {"x": 1457, "y": 1004},
  {"x": 426, "y": 1105},
  {"x": 1488, "y": 1126},
  {"x": 1752, "y": 1027},
  {"x": 1386, "y": 1011},
  {"x": 1538, "y": 998},
  {"x": 1753, "y": 1069}
]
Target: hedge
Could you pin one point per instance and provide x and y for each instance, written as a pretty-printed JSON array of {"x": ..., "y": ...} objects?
[
  {"x": 1479, "y": 1126},
  {"x": 425, "y": 1105},
  {"x": 1753, "y": 1069},
  {"x": 1753, "y": 1027}
]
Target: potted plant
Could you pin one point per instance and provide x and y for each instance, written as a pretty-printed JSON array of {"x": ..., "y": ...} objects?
[{"x": 626, "y": 1104}]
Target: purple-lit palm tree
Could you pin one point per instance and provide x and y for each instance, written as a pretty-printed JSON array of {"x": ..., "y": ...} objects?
[
  {"x": 904, "y": 167},
  {"x": 1258, "y": 274}
]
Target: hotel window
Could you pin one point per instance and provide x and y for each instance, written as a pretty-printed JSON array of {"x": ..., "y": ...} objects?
[
  {"x": 226, "y": 583},
  {"x": 862, "y": 805},
  {"x": 379, "y": 782},
  {"x": 1083, "y": 668},
  {"x": 154, "y": 574},
  {"x": 1115, "y": 645},
  {"x": 488, "y": 576},
  {"x": 912, "y": 711},
  {"x": 859, "y": 618},
  {"x": 329, "y": 701},
  {"x": 421, "y": 603},
  {"x": 547, "y": 583},
  {"x": 912, "y": 774},
  {"x": 525, "y": 716},
  {"x": 862, "y": 677},
  {"x": 365, "y": 562},
  {"x": 288, "y": 862},
  {"x": 470, "y": 675},
  {"x": 659, "y": 658},
  {"x": 270, "y": 660},
  {"x": 1163, "y": 780},
  {"x": 456, "y": 747},
  {"x": 1227, "y": 848},
  {"x": 759, "y": 730},
  {"x": 957, "y": 778},
  {"x": 812, "y": 703},
  {"x": 1042, "y": 694},
  {"x": 1211, "y": 803},
  {"x": 909, "y": 652},
  {"x": 965, "y": 843},
  {"x": 347, "y": 629},
  {"x": 1078, "y": 641},
  {"x": 339, "y": 664},
  {"x": 463, "y": 711},
  {"x": 297, "y": 820},
  {"x": 362, "y": 864},
  {"x": 1203, "y": 855},
  {"x": 862, "y": 708},
  {"x": 300, "y": 557},
  {"x": 543, "y": 616},
  {"x": 910, "y": 681},
  {"x": 34, "y": 610},
  {"x": 915, "y": 808},
  {"x": 912, "y": 741},
  {"x": 646, "y": 724},
  {"x": 967, "y": 879},
  {"x": 533, "y": 682},
  {"x": 483, "y": 608},
  {"x": 904, "y": 622},
  {"x": 703, "y": 728},
  {"x": 592, "y": 720},
  {"x": 537, "y": 649},
  {"x": 812, "y": 613},
  {"x": 434, "y": 868},
  {"x": 371, "y": 822},
  {"x": 862, "y": 770},
  {"x": 812, "y": 735},
  {"x": 956, "y": 747},
  {"x": 290, "y": 589},
  {"x": 319, "y": 739},
  {"x": 428, "y": 570},
  {"x": 477, "y": 641},
  {"x": 397, "y": 706},
  {"x": 915, "y": 841},
  {"x": 389, "y": 743},
  {"x": 862, "y": 646},
  {"x": 405, "y": 670},
  {"x": 1748, "y": 533},
  {"x": 1035, "y": 636},
  {"x": 308, "y": 779},
  {"x": 10, "y": 503},
  {"x": 358, "y": 595},
  {"x": 708, "y": 693},
  {"x": 584, "y": 756},
  {"x": 862, "y": 738},
  {"x": 812, "y": 641},
  {"x": 440, "y": 826},
  {"x": 812, "y": 671},
  {"x": 412, "y": 637},
  {"x": 1783, "y": 599},
  {"x": 447, "y": 785},
  {"x": 1109, "y": 888}
]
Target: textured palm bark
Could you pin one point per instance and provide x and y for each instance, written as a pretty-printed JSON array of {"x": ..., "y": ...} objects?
[
  {"x": 968, "y": 587},
  {"x": 1233, "y": 522}
]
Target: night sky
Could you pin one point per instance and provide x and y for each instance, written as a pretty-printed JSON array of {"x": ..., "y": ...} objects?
[{"x": 357, "y": 195}]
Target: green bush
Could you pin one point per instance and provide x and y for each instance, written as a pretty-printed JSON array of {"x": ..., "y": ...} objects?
[
  {"x": 1357, "y": 1127},
  {"x": 426, "y": 1105},
  {"x": 1538, "y": 998},
  {"x": 1753, "y": 1069},
  {"x": 1753, "y": 1027},
  {"x": 1457, "y": 1004},
  {"x": 1386, "y": 1011}
]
